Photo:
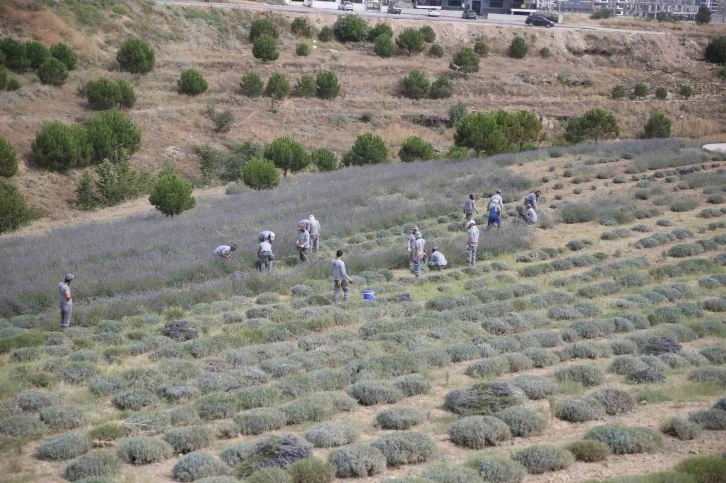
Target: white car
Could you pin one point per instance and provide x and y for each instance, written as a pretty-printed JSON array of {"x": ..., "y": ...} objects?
[
  {"x": 346, "y": 6},
  {"x": 433, "y": 12}
]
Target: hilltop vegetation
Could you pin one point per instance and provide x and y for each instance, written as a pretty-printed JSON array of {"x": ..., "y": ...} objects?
[
  {"x": 607, "y": 313},
  {"x": 344, "y": 76}
]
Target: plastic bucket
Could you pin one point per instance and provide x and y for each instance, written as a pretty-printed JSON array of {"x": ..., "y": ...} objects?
[{"x": 369, "y": 294}]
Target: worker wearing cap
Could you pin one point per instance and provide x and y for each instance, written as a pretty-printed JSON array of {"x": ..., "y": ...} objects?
[
  {"x": 66, "y": 302},
  {"x": 472, "y": 243},
  {"x": 266, "y": 235},
  {"x": 437, "y": 261}
]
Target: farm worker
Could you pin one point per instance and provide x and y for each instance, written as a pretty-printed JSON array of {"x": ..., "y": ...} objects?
[
  {"x": 530, "y": 215},
  {"x": 66, "y": 302},
  {"x": 496, "y": 200},
  {"x": 470, "y": 207},
  {"x": 472, "y": 243},
  {"x": 530, "y": 201},
  {"x": 222, "y": 252},
  {"x": 303, "y": 242},
  {"x": 495, "y": 209},
  {"x": 340, "y": 278},
  {"x": 314, "y": 233},
  {"x": 265, "y": 256},
  {"x": 419, "y": 254},
  {"x": 305, "y": 223},
  {"x": 412, "y": 244},
  {"x": 437, "y": 261},
  {"x": 266, "y": 235}
]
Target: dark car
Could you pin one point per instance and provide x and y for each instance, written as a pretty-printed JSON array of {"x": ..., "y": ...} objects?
[
  {"x": 539, "y": 21},
  {"x": 468, "y": 14},
  {"x": 395, "y": 9}
]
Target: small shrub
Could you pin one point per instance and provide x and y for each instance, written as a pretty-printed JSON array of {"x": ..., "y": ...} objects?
[
  {"x": 326, "y": 34},
  {"x": 264, "y": 48},
  {"x": 101, "y": 462},
  {"x": 252, "y": 85},
  {"x": 518, "y": 48},
  {"x": 640, "y": 90},
  {"x": 197, "y": 465},
  {"x": 65, "y": 54},
  {"x": 53, "y": 72},
  {"x": 188, "y": 439},
  {"x": 680, "y": 428},
  {"x": 306, "y": 86},
  {"x": 367, "y": 149},
  {"x": 331, "y": 435},
  {"x": 302, "y": 49},
  {"x": 64, "y": 447},
  {"x": 661, "y": 94},
  {"x": 589, "y": 451},
  {"x": 274, "y": 451},
  {"x": 541, "y": 459},
  {"x": 545, "y": 53},
  {"x": 614, "y": 401},
  {"x": 704, "y": 469},
  {"x": 278, "y": 86},
  {"x": 8, "y": 160},
  {"x": 370, "y": 393},
  {"x": 587, "y": 375},
  {"x": 498, "y": 470},
  {"x": 711, "y": 419},
  {"x": 442, "y": 88},
  {"x": 522, "y": 422},
  {"x": 399, "y": 418},
  {"x": 312, "y": 470},
  {"x": 625, "y": 440},
  {"x": 357, "y": 460},
  {"x": 350, "y": 28},
  {"x": 406, "y": 447},
  {"x": 415, "y": 85},
  {"x": 683, "y": 205},
  {"x": 266, "y": 475},
  {"x": 436, "y": 51},
  {"x": 481, "y": 399},
  {"x": 135, "y": 56},
  {"x": 578, "y": 409},
  {"x": 658, "y": 125},
  {"x": 33, "y": 400},
  {"x": 715, "y": 51},
  {"x": 481, "y": 48},
  {"x": 328, "y": 84},
  {"x": 191, "y": 82},
  {"x": 383, "y": 46},
  {"x": 465, "y": 60},
  {"x": 144, "y": 451},
  {"x": 534, "y": 387},
  {"x": 411, "y": 40},
  {"x": 62, "y": 417},
  {"x": 257, "y": 421}
]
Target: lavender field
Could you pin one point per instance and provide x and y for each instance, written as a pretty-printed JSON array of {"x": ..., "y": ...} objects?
[{"x": 589, "y": 347}]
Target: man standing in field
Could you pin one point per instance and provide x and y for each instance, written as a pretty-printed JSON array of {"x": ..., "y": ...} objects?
[
  {"x": 303, "y": 242},
  {"x": 314, "y": 227},
  {"x": 340, "y": 278},
  {"x": 419, "y": 253},
  {"x": 412, "y": 245},
  {"x": 472, "y": 243},
  {"x": 437, "y": 261},
  {"x": 265, "y": 256},
  {"x": 222, "y": 252},
  {"x": 496, "y": 206},
  {"x": 66, "y": 302},
  {"x": 470, "y": 207},
  {"x": 266, "y": 235}
]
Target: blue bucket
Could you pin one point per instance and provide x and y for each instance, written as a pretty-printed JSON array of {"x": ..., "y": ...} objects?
[{"x": 369, "y": 294}]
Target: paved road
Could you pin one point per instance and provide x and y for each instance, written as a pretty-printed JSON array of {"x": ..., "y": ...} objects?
[{"x": 445, "y": 17}]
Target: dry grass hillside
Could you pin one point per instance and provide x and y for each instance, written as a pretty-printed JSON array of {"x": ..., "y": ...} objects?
[{"x": 216, "y": 42}]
